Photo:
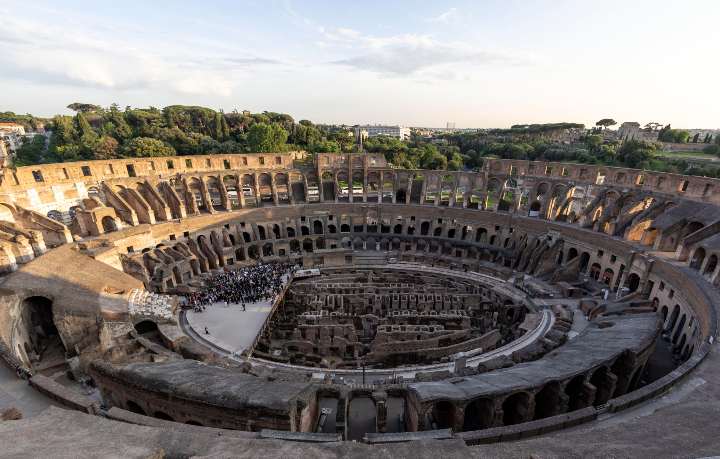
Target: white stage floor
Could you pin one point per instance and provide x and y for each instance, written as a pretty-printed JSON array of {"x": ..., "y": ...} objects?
[{"x": 230, "y": 328}]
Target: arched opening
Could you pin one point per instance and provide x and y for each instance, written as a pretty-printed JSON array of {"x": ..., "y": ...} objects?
[
  {"x": 108, "y": 224},
  {"x": 443, "y": 415},
  {"x": 535, "y": 209},
  {"x": 673, "y": 319},
  {"x": 697, "y": 259},
  {"x": 146, "y": 326},
  {"x": 134, "y": 407},
  {"x": 162, "y": 415},
  {"x": 479, "y": 414},
  {"x": 516, "y": 408},
  {"x": 547, "y": 401},
  {"x": 308, "y": 245},
  {"x": 604, "y": 383},
  {"x": 679, "y": 329},
  {"x": 584, "y": 261},
  {"x": 633, "y": 282},
  {"x": 711, "y": 265},
  {"x": 317, "y": 227},
  {"x": 193, "y": 423},
  {"x": 44, "y": 339},
  {"x": 575, "y": 390},
  {"x": 572, "y": 253},
  {"x": 608, "y": 276}
]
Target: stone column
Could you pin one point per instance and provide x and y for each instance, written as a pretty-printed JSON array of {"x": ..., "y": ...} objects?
[
  {"x": 273, "y": 189},
  {"x": 224, "y": 195}
]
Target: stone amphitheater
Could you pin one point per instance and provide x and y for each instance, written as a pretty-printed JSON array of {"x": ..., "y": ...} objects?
[{"x": 525, "y": 309}]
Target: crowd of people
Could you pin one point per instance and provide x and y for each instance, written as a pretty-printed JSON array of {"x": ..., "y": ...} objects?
[{"x": 262, "y": 281}]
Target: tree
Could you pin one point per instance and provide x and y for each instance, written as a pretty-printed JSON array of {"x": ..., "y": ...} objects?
[
  {"x": 712, "y": 149},
  {"x": 30, "y": 152},
  {"x": 263, "y": 137},
  {"x": 83, "y": 108},
  {"x": 670, "y": 135},
  {"x": 593, "y": 141},
  {"x": 106, "y": 148},
  {"x": 606, "y": 122},
  {"x": 145, "y": 146}
]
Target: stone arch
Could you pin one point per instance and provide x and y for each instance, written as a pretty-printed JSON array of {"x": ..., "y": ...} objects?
[
  {"x": 633, "y": 282},
  {"x": 443, "y": 415},
  {"x": 516, "y": 408},
  {"x": 604, "y": 382},
  {"x": 38, "y": 323},
  {"x": 673, "y": 319},
  {"x": 308, "y": 245},
  {"x": 576, "y": 393},
  {"x": 697, "y": 259},
  {"x": 373, "y": 187},
  {"x": 572, "y": 253},
  {"x": 535, "y": 208},
  {"x": 327, "y": 179},
  {"x": 548, "y": 401},
  {"x": 109, "y": 224},
  {"x": 711, "y": 265},
  {"x": 607, "y": 276},
  {"x": 213, "y": 188},
  {"x": 679, "y": 329},
  {"x": 265, "y": 187},
  {"x": 134, "y": 408},
  {"x": 196, "y": 191},
  {"x": 56, "y": 215},
  {"x": 232, "y": 188},
  {"x": 317, "y": 227},
  {"x": 162, "y": 415},
  {"x": 146, "y": 326},
  {"x": 247, "y": 182},
  {"x": 479, "y": 414},
  {"x": 282, "y": 188}
]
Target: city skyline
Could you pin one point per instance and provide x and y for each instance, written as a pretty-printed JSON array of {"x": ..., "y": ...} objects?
[{"x": 483, "y": 65}]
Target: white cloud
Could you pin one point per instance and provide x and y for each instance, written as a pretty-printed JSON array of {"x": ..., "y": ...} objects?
[
  {"x": 38, "y": 51},
  {"x": 411, "y": 54},
  {"x": 447, "y": 17}
]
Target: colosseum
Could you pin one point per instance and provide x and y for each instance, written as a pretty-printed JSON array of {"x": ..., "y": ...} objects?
[{"x": 527, "y": 308}]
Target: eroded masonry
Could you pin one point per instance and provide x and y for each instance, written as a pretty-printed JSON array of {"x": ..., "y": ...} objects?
[{"x": 519, "y": 299}]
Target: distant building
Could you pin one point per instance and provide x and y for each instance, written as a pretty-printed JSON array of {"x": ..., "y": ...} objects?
[
  {"x": 399, "y": 132},
  {"x": 11, "y": 134},
  {"x": 450, "y": 125},
  {"x": 11, "y": 128},
  {"x": 630, "y": 130}
]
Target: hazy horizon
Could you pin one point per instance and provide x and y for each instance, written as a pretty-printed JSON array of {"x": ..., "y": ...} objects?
[{"x": 477, "y": 64}]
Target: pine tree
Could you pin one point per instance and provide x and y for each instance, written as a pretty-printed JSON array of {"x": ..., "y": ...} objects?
[
  {"x": 225, "y": 127},
  {"x": 217, "y": 127}
]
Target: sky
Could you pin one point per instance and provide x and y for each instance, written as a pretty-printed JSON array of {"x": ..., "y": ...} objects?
[{"x": 481, "y": 63}]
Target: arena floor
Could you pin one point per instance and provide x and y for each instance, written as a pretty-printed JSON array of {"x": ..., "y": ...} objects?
[{"x": 230, "y": 327}]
